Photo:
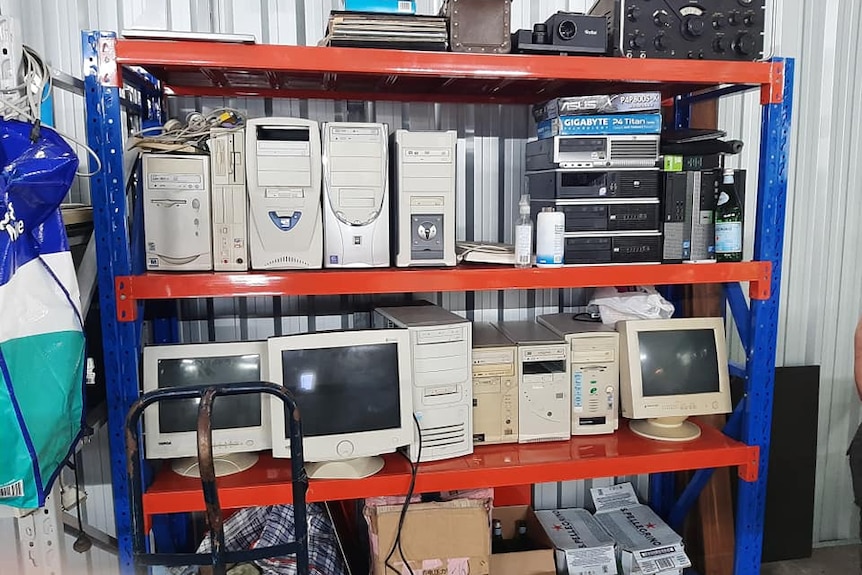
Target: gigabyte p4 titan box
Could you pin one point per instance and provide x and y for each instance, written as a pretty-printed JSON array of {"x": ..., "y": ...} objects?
[
  {"x": 576, "y": 185},
  {"x": 609, "y": 124},
  {"x": 612, "y": 248},
  {"x": 593, "y": 152},
  {"x": 495, "y": 386},
  {"x": 625, "y": 215},
  {"x": 632, "y": 103}
]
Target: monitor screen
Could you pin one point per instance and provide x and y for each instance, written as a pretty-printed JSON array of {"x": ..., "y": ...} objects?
[
  {"x": 678, "y": 362},
  {"x": 181, "y": 415},
  {"x": 344, "y": 389}
]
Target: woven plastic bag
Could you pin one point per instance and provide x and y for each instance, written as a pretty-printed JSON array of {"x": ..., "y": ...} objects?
[{"x": 42, "y": 353}]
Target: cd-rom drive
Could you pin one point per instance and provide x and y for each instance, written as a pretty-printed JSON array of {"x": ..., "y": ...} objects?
[
  {"x": 229, "y": 200},
  {"x": 544, "y": 406},
  {"x": 495, "y": 387},
  {"x": 177, "y": 219},
  {"x": 355, "y": 195},
  {"x": 613, "y": 248},
  {"x": 575, "y": 185},
  {"x": 594, "y": 350},
  {"x": 605, "y": 216},
  {"x": 441, "y": 347},
  {"x": 593, "y": 152},
  {"x": 424, "y": 198}
]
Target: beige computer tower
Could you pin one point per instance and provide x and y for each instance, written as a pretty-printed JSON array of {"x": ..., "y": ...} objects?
[{"x": 495, "y": 387}]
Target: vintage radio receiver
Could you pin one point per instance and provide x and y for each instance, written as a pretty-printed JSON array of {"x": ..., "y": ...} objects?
[
  {"x": 593, "y": 152},
  {"x": 605, "y": 216},
  {"x": 594, "y": 354},
  {"x": 575, "y": 185},
  {"x": 612, "y": 248},
  {"x": 441, "y": 346},
  {"x": 495, "y": 387},
  {"x": 544, "y": 406},
  {"x": 688, "y": 29}
]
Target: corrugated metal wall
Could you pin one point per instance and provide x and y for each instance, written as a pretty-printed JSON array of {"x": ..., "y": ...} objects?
[{"x": 821, "y": 288}]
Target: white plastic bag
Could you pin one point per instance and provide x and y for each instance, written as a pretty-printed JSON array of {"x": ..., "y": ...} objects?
[{"x": 641, "y": 302}]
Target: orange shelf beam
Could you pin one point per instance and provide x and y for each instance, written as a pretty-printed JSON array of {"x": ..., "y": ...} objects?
[
  {"x": 131, "y": 289},
  {"x": 623, "y": 453},
  {"x": 214, "y": 68}
]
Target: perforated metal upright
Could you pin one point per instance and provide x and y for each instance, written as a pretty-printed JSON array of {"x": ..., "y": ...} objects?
[{"x": 758, "y": 326}]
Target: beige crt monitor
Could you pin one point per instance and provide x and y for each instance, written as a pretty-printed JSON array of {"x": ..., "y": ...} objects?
[{"x": 671, "y": 369}]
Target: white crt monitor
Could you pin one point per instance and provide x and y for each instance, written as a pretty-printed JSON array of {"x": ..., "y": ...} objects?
[
  {"x": 671, "y": 369},
  {"x": 240, "y": 423},
  {"x": 353, "y": 389}
]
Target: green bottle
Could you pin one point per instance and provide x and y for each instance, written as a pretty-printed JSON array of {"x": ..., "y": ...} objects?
[{"x": 728, "y": 222}]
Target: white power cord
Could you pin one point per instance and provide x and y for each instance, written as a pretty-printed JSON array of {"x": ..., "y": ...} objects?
[
  {"x": 24, "y": 101},
  {"x": 175, "y": 136}
]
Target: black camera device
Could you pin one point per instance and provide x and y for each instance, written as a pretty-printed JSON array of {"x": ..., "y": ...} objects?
[{"x": 564, "y": 33}]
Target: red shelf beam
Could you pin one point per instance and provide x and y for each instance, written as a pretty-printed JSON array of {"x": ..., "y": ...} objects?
[
  {"x": 131, "y": 289},
  {"x": 623, "y": 453},
  {"x": 213, "y": 68}
]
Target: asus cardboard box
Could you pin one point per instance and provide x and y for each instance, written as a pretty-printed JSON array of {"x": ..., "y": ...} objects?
[
  {"x": 445, "y": 538},
  {"x": 582, "y": 545},
  {"x": 645, "y": 545},
  {"x": 538, "y": 561}
]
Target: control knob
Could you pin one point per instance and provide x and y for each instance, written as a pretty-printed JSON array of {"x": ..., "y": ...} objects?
[
  {"x": 734, "y": 18},
  {"x": 636, "y": 40},
  {"x": 661, "y": 19},
  {"x": 749, "y": 19},
  {"x": 718, "y": 21},
  {"x": 660, "y": 42},
  {"x": 633, "y": 13},
  {"x": 744, "y": 44},
  {"x": 692, "y": 26},
  {"x": 719, "y": 44}
]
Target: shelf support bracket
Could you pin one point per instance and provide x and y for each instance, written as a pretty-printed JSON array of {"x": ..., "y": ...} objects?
[{"x": 740, "y": 311}]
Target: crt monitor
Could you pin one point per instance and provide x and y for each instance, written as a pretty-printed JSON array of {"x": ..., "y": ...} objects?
[
  {"x": 671, "y": 369},
  {"x": 240, "y": 424},
  {"x": 354, "y": 393}
]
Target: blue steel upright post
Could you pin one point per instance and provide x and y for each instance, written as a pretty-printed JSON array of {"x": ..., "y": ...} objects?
[
  {"x": 763, "y": 332},
  {"x": 120, "y": 339}
]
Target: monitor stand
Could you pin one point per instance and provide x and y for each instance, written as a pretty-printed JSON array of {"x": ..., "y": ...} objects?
[
  {"x": 358, "y": 468},
  {"x": 666, "y": 428},
  {"x": 226, "y": 464}
]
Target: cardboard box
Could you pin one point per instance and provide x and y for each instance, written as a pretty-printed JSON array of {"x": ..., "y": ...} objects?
[
  {"x": 384, "y": 6},
  {"x": 582, "y": 545},
  {"x": 447, "y": 538},
  {"x": 614, "y": 124},
  {"x": 644, "y": 543},
  {"x": 539, "y": 561},
  {"x": 632, "y": 103}
]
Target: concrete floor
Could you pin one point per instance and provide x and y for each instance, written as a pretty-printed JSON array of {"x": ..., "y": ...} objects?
[{"x": 824, "y": 561}]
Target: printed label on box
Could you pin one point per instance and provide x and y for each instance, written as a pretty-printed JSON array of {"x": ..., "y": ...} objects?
[
  {"x": 613, "y": 497},
  {"x": 652, "y": 561},
  {"x": 595, "y": 561}
]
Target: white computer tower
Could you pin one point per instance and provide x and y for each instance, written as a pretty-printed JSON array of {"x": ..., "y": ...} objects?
[
  {"x": 229, "y": 199},
  {"x": 495, "y": 387},
  {"x": 544, "y": 408},
  {"x": 176, "y": 200},
  {"x": 283, "y": 173},
  {"x": 424, "y": 198},
  {"x": 441, "y": 345},
  {"x": 594, "y": 355},
  {"x": 355, "y": 195}
]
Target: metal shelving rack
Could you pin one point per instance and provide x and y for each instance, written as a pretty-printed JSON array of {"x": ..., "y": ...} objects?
[{"x": 213, "y": 69}]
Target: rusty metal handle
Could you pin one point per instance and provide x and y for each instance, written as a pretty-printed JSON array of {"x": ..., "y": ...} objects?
[{"x": 218, "y": 557}]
